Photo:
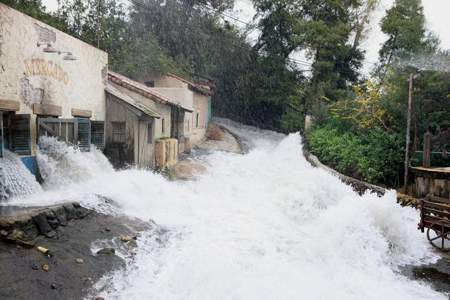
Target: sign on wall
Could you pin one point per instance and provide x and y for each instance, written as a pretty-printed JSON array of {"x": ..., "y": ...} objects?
[{"x": 43, "y": 67}]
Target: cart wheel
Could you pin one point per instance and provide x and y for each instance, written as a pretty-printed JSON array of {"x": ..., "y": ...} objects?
[{"x": 438, "y": 239}]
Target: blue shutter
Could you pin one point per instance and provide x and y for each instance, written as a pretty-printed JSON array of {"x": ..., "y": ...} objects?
[
  {"x": 84, "y": 134},
  {"x": 20, "y": 134}
]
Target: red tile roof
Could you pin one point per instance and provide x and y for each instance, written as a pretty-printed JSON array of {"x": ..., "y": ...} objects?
[
  {"x": 142, "y": 89},
  {"x": 201, "y": 88}
]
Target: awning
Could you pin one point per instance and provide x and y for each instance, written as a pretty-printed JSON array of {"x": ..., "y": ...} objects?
[{"x": 130, "y": 101}]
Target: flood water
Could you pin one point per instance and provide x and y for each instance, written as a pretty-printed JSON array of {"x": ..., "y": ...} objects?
[{"x": 262, "y": 225}]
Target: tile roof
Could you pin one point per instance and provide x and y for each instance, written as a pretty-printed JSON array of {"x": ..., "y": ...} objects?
[
  {"x": 142, "y": 89},
  {"x": 127, "y": 99},
  {"x": 201, "y": 88}
]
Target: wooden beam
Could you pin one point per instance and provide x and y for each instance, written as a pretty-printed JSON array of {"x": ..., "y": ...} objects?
[
  {"x": 81, "y": 113},
  {"x": 47, "y": 110},
  {"x": 9, "y": 105}
]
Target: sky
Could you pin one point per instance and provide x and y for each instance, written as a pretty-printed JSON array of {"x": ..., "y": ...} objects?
[{"x": 436, "y": 13}]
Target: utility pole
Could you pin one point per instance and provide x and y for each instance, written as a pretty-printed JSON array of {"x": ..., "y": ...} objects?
[
  {"x": 408, "y": 130},
  {"x": 98, "y": 24}
]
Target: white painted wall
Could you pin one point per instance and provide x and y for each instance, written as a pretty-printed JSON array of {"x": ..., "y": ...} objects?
[{"x": 29, "y": 75}]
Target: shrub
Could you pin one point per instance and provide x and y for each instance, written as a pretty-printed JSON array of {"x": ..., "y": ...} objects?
[{"x": 372, "y": 155}]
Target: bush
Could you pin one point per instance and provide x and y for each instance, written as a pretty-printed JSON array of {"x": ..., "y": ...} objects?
[{"x": 373, "y": 155}]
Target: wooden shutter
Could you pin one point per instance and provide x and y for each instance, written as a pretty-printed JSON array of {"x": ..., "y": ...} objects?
[
  {"x": 71, "y": 131},
  {"x": 98, "y": 134},
  {"x": 84, "y": 134},
  {"x": 20, "y": 134}
]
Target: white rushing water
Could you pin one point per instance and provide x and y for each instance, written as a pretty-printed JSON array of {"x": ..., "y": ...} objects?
[
  {"x": 15, "y": 179},
  {"x": 264, "y": 225}
]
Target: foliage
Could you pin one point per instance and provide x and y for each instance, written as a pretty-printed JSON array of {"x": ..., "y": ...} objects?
[
  {"x": 404, "y": 24},
  {"x": 36, "y": 9},
  {"x": 371, "y": 155},
  {"x": 322, "y": 29},
  {"x": 366, "y": 110}
]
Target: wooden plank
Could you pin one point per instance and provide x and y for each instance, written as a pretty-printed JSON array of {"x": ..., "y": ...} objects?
[
  {"x": 82, "y": 113},
  {"x": 47, "y": 110},
  {"x": 9, "y": 105}
]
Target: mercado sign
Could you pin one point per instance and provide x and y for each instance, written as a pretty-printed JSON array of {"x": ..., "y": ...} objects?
[{"x": 42, "y": 67}]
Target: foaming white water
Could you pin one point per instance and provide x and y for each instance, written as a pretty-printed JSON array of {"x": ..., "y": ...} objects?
[
  {"x": 61, "y": 165},
  {"x": 15, "y": 179},
  {"x": 265, "y": 225}
]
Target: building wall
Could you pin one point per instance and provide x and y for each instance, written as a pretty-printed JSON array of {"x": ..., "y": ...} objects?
[
  {"x": 201, "y": 107},
  {"x": 178, "y": 90},
  {"x": 30, "y": 76},
  {"x": 120, "y": 155},
  {"x": 163, "y": 109},
  {"x": 136, "y": 149},
  {"x": 169, "y": 82},
  {"x": 182, "y": 96}
]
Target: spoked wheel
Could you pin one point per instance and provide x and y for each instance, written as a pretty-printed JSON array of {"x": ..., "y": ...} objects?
[{"x": 439, "y": 239}]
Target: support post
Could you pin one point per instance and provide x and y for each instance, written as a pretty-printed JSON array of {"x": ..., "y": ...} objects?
[
  {"x": 426, "y": 150},
  {"x": 408, "y": 131}
]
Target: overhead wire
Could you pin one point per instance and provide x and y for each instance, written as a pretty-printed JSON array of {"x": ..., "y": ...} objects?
[{"x": 298, "y": 62}]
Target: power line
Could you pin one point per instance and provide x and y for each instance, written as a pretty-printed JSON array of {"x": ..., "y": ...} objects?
[{"x": 211, "y": 9}]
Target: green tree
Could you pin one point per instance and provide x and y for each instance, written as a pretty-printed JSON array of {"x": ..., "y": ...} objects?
[
  {"x": 35, "y": 9},
  {"x": 404, "y": 24}
]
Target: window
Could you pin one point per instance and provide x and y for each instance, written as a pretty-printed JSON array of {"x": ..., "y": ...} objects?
[
  {"x": 77, "y": 131},
  {"x": 150, "y": 83},
  {"x": 197, "y": 120},
  {"x": 98, "y": 134},
  {"x": 163, "y": 125},
  {"x": 118, "y": 132},
  {"x": 84, "y": 134},
  {"x": 20, "y": 134},
  {"x": 150, "y": 133}
]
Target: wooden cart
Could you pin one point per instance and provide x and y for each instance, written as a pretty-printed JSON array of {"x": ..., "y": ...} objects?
[{"x": 435, "y": 218}]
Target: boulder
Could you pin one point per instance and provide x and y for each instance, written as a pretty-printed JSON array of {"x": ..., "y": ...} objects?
[
  {"x": 188, "y": 170},
  {"x": 106, "y": 251}
]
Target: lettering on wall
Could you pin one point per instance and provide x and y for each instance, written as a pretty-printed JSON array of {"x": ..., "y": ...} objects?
[{"x": 42, "y": 67}]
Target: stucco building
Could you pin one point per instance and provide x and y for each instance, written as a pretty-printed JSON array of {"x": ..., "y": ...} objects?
[
  {"x": 141, "y": 124},
  {"x": 195, "y": 96},
  {"x": 50, "y": 83}
]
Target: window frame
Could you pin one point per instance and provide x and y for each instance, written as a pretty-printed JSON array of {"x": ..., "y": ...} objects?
[{"x": 118, "y": 129}]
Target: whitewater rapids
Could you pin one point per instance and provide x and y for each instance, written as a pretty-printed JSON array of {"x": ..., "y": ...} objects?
[{"x": 263, "y": 225}]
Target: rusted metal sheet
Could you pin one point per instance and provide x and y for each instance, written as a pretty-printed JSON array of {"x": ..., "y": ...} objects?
[
  {"x": 47, "y": 110},
  {"x": 9, "y": 105}
]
